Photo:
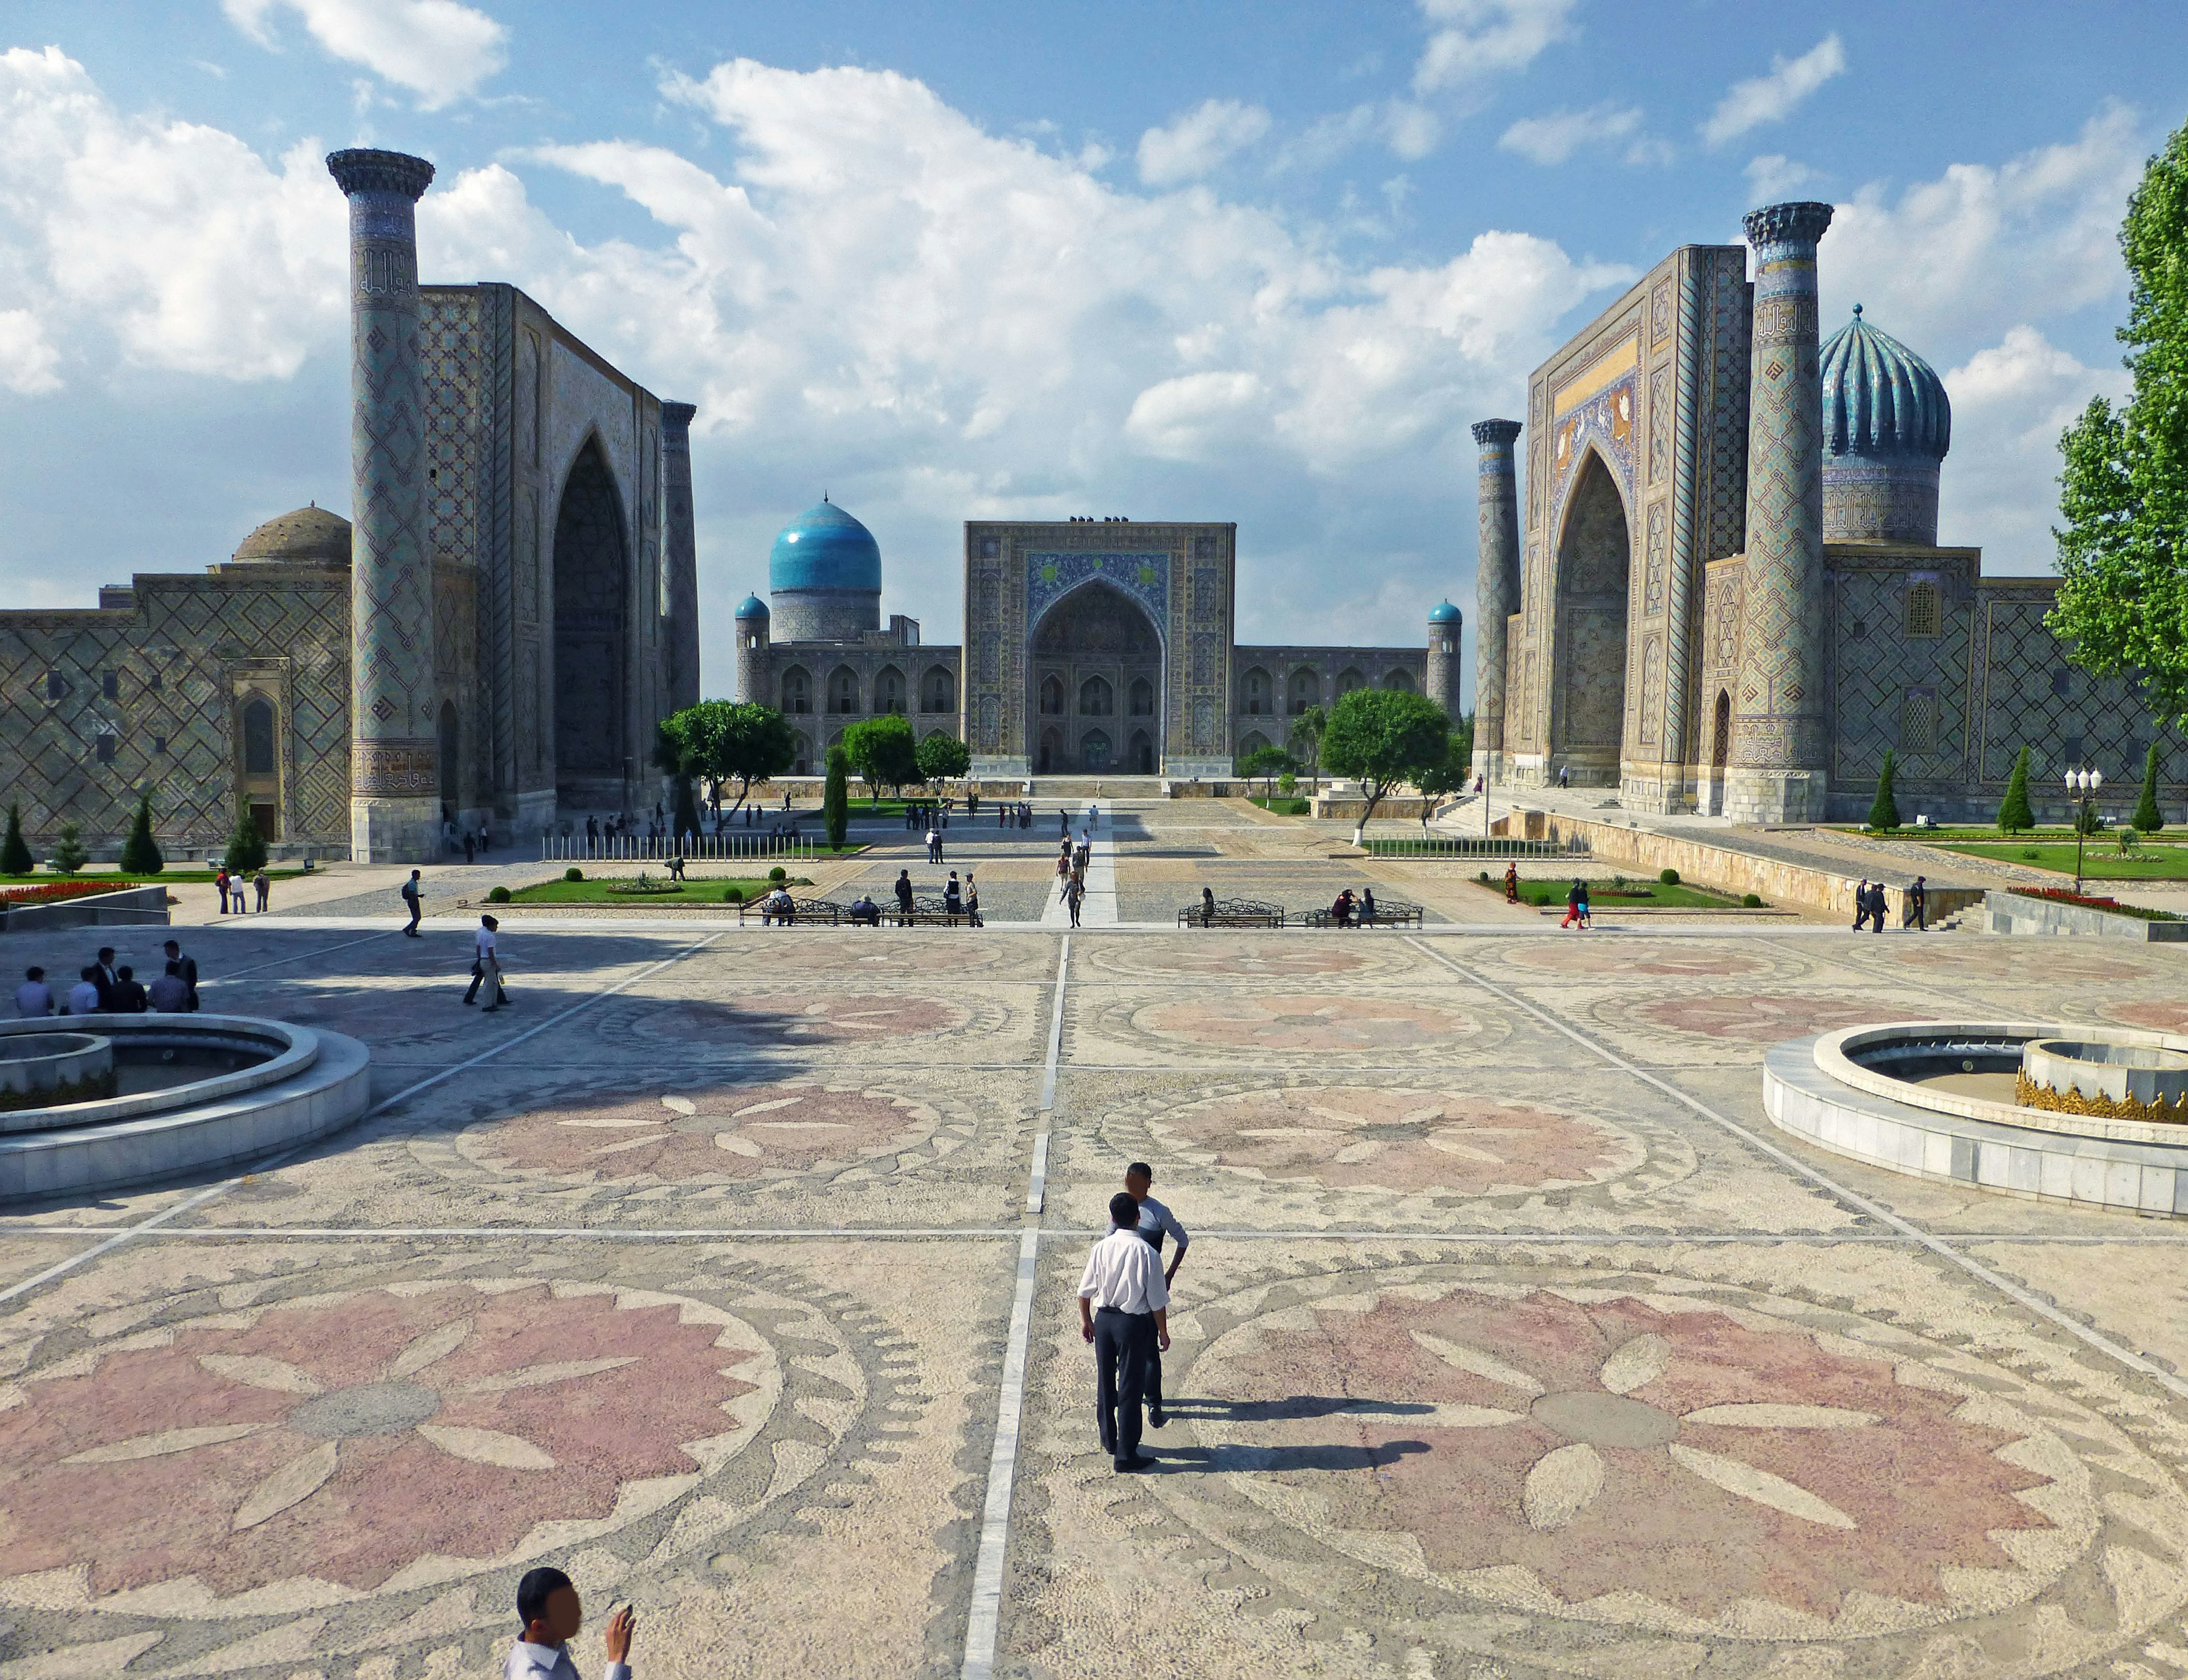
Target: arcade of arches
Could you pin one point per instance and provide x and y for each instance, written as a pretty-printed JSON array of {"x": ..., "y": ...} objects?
[{"x": 1096, "y": 680}]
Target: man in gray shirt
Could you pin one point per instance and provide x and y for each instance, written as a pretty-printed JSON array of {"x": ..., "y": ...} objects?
[{"x": 1156, "y": 1223}]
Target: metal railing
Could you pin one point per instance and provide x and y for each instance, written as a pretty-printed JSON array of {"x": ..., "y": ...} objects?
[
  {"x": 1473, "y": 846},
  {"x": 639, "y": 848}
]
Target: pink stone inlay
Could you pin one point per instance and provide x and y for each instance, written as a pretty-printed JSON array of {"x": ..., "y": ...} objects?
[
  {"x": 1307, "y": 1020},
  {"x": 1758, "y": 1018}
]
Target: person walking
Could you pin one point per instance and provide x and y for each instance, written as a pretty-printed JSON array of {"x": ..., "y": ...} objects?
[
  {"x": 1877, "y": 906},
  {"x": 1073, "y": 895},
  {"x": 34, "y": 998},
  {"x": 486, "y": 967},
  {"x": 934, "y": 845},
  {"x": 1156, "y": 1222},
  {"x": 1918, "y": 904},
  {"x": 1572, "y": 905},
  {"x": 1587, "y": 910},
  {"x": 1064, "y": 824},
  {"x": 1511, "y": 883},
  {"x": 410, "y": 900},
  {"x": 1861, "y": 904},
  {"x": 972, "y": 900},
  {"x": 1124, "y": 1310},
  {"x": 187, "y": 967},
  {"x": 263, "y": 884}
]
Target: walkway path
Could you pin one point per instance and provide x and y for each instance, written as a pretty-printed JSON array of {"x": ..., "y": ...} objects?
[{"x": 1098, "y": 909}]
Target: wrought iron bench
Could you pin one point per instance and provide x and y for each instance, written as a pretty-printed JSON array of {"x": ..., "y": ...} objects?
[
  {"x": 1232, "y": 913},
  {"x": 1389, "y": 913},
  {"x": 823, "y": 910},
  {"x": 925, "y": 912}
]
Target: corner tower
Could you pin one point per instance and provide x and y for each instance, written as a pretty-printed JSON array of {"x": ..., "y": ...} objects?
[
  {"x": 1497, "y": 588},
  {"x": 1780, "y": 758},
  {"x": 1441, "y": 683},
  {"x": 395, "y": 776}
]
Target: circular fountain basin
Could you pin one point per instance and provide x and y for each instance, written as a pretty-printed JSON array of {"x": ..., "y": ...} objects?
[
  {"x": 39, "y": 1069},
  {"x": 1937, "y": 1099},
  {"x": 188, "y": 1094}
]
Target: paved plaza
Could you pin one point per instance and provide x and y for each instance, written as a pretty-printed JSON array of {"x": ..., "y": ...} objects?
[{"x": 733, "y": 1270}]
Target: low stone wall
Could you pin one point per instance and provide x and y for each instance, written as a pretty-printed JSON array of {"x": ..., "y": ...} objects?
[
  {"x": 1351, "y": 808},
  {"x": 128, "y": 906},
  {"x": 2008, "y": 912}
]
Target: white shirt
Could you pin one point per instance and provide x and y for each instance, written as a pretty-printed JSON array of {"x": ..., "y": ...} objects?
[
  {"x": 486, "y": 951},
  {"x": 552, "y": 1662},
  {"x": 1125, "y": 1272},
  {"x": 84, "y": 999},
  {"x": 33, "y": 999}
]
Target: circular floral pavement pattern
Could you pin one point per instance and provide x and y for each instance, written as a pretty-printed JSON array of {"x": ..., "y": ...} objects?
[
  {"x": 1669, "y": 957},
  {"x": 1758, "y": 1018},
  {"x": 852, "y": 1018},
  {"x": 743, "y": 1132},
  {"x": 1616, "y": 1450},
  {"x": 1305, "y": 1021},
  {"x": 2012, "y": 961},
  {"x": 1220, "y": 955},
  {"x": 1409, "y": 1141},
  {"x": 356, "y": 1437},
  {"x": 2156, "y": 1017}
]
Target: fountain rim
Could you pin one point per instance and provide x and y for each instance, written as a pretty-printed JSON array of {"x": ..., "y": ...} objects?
[{"x": 293, "y": 1048}]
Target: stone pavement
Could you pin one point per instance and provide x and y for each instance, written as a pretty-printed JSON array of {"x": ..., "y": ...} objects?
[{"x": 733, "y": 1271}]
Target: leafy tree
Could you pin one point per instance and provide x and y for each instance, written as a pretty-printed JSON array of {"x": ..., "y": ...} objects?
[
  {"x": 1883, "y": 809},
  {"x": 15, "y": 857},
  {"x": 2013, "y": 815},
  {"x": 1305, "y": 740},
  {"x": 1452, "y": 774},
  {"x": 1383, "y": 738},
  {"x": 2123, "y": 597},
  {"x": 1265, "y": 765},
  {"x": 944, "y": 757},
  {"x": 726, "y": 740},
  {"x": 836, "y": 796},
  {"x": 883, "y": 750},
  {"x": 2147, "y": 817},
  {"x": 140, "y": 852},
  {"x": 246, "y": 846}
]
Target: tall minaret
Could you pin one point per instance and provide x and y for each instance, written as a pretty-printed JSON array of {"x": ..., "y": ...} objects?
[
  {"x": 1779, "y": 766},
  {"x": 394, "y": 751},
  {"x": 1497, "y": 588},
  {"x": 682, "y": 555},
  {"x": 1440, "y": 682}
]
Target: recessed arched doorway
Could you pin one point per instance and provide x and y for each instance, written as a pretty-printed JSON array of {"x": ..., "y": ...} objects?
[
  {"x": 451, "y": 782},
  {"x": 1588, "y": 690},
  {"x": 592, "y": 582},
  {"x": 1095, "y": 646}
]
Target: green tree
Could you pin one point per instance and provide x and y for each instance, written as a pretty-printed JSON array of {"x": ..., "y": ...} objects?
[
  {"x": 1383, "y": 738},
  {"x": 836, "y": 796},
  {"x": 69, "y": 854},
  {"x": 944, "y": 757},
  {"x": 246, "y": 846},
  {"x": 726, "y": 740},
  {"x": 2122, "y": 600},
  {"x": 15, "y": 857},
  {"x": 1265, "y": 765},
  {"x": 883, "y": 750},
  {"x": 1304, "y": 740},
  {"x": 2013, "y": 815},
  {"x": 1452, "y": 774},
  {"x": 2147, "y": 817},
  {"x": 140, "y": 852},
  {"x": 1883, "y": 809}
]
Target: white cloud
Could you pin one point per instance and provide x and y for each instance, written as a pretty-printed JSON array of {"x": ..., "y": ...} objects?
[
  {"x": 1552, "y": 139},
  {"x": 1199, "y": 141},
  {"x": 436, "y": 48},
  {"x": 1410, "y": 131},
  {"x": 1774, "y": 97},
  {"x": 1472, "y": 39},
  {"x": 2000, "y": 486},
  {"x": 27, "y": 360},
  {"x": 1775, "y": 177}
]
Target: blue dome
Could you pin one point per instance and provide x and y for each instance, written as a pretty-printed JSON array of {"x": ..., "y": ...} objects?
[
  {"x": 1446, "y": 614},
  {"x": 752, "y": 607},
  {"x": 824, "y": 547},
  {"x": 1881, "y": 398}
]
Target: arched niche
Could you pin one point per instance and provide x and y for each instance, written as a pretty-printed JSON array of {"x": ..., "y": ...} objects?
[
  {"x": 1594, "y": 569},
  {"x": 592, "y": 593},
  {"x": 1092, "y": 646}
]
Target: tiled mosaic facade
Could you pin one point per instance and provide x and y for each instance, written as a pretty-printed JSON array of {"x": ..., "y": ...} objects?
[{"x": 1890, "y": 643}]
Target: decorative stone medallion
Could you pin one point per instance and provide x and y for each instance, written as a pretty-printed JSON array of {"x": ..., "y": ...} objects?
[
  {"x": 1755, "y": 1017},
  {"x": 1305, "y": 1021},
  {"x": 1673, "y": 959},
  {"x": 1218, "y": 956},
  {"x": 794, "y": 1018}
]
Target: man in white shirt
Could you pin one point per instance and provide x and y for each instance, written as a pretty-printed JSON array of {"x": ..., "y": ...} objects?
[
  {"x": 549, "y": 1607},
  {"x": 485, "y": 968},
  {"x": 1124, "y": 1310},
  {"x": 83, "y": 995},
  {"x": 1156, "y": 1222},
  {"x": 34, "y": 998}
]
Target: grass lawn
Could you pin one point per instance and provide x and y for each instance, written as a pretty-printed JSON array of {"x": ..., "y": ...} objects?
[
  {"x": 1618, "y": 894},
  {"x": 2101, "y": 857},
  {"x": 695, "y": 890},
  {"x": 1280, "y": 806}
]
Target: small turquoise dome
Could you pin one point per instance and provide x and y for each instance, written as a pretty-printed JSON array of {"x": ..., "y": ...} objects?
[
  {"x": 1446, "y": 614},
  {"x": 824, "y": 547},
  {"x": 1881, "y": 398},
  {"x": 752, "y": 607}
]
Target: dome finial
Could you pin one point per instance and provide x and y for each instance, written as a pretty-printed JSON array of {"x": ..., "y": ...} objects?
[{"x": 1857, "y": 308}]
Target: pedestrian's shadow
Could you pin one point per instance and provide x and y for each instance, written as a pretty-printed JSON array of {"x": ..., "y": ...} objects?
[{"x": 1231, "y": 1456}]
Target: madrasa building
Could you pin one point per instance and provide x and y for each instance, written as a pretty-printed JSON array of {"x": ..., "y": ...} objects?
[
  {"x": 1723, "y": 590},
  {"x": 1093, "y": 647},
  {"x": 491, "y": 643}
]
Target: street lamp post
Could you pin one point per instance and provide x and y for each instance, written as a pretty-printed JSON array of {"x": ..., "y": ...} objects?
[{"x": 2082, "y": 787}]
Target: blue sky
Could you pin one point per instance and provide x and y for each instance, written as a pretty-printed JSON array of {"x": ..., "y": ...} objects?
[{"x": 1263, "y": 264}]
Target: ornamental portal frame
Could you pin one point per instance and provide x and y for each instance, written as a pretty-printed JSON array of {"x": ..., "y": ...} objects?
[{"x": 1101, "y": 646}]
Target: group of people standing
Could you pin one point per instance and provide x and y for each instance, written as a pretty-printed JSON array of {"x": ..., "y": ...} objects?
[
  {"x": 106, "y": 988},
  {"x": 232, "y": 889}
]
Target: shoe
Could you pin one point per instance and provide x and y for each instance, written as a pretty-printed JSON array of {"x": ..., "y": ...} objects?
[
  {"x": 1138, "y": 1461},
  {"x": 1157, "y": 1417},
  {"x": 470, "y": 1002}
]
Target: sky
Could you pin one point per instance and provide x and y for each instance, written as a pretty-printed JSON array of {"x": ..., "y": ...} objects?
[{"x": 1169, "y": 261}]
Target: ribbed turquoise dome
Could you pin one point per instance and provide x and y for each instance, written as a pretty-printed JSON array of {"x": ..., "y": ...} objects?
[
  {"x": 1881, "y": 398},
  {"x": 752, "y": 607},
  {"x": 1443, "y": 615},
  {"x": 824, "y": 547}
]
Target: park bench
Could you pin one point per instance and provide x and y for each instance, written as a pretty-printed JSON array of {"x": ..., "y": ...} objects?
[
  {"x": 926, "y": 911},
  {"x": 1389, "y": 913},
  {"x": 825, "y": 911},
  {"x": 1232, "y": 913}
]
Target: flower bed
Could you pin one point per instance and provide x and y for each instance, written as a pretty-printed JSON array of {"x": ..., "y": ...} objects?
[
  {"x": 46, "y": 892},
  {"x": 2114, "y": 906}
]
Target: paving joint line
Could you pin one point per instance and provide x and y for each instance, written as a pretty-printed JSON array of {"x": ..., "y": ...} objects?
[
  {"x": 190, "y": 1203},
  {"x": 2027, "y": 1300}
]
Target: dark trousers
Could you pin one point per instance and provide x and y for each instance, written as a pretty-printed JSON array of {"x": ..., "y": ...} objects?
[
  {"x": 1124, "y": 1349},
  {"x": 412, "y": 926}
]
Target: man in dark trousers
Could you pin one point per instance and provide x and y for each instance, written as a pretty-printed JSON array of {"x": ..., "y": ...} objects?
[
  {"x": 1156, "y": 1222},
  {"x": 1918, "y": 905},
  {"x": 1124, "y": 1310},
  {"x": 186, "y": 967},
  {"x": 903, "y": 891},
  {"x": 410, "y": 902}
]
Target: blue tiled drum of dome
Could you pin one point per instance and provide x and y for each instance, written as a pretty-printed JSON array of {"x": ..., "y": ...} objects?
[
  {"x": 1887, "y": 423},
  {"x": 824, "y": 576}
]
